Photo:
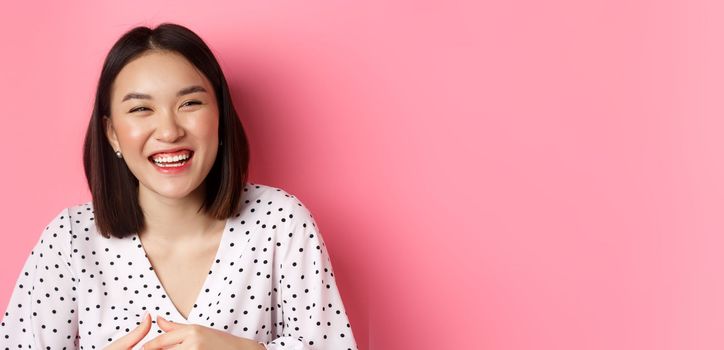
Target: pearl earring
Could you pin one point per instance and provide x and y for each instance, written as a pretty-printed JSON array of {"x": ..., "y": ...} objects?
[{"x": 118, "y": 154}]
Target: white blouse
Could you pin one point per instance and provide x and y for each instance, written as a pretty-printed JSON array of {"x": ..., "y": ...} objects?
[{"x": 271, "y": 281}]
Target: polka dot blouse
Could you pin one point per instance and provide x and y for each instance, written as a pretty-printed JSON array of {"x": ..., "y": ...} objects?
[{"x": 271, "y": 281}]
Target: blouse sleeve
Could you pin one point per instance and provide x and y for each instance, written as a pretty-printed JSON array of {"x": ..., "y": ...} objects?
[
  {"x": 311, "y": 307},
  {"x": 42, "y": 311}
]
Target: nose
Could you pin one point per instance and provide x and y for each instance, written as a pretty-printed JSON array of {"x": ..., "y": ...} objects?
[{"x": 168, "y": 128}]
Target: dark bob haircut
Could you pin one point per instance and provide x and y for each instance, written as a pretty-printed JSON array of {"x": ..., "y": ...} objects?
[{"x": 112, "y": 185}]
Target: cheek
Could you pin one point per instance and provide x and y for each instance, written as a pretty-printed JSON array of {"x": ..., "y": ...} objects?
[
  {"x": 129, "y": 134},
  {"x": 205, "y": 125}
]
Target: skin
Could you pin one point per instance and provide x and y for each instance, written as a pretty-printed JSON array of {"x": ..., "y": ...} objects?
[
  {"x": 177, "y": 238},
  {"x": 140, "y": 127},
  {"x": 181, "y": 336}
]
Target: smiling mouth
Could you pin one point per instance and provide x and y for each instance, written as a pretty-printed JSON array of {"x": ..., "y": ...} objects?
[{"x": 172, "y": 161}]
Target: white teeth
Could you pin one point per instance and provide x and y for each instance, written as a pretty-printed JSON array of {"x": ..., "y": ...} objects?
[
  {"x": 171, "y": 159},
  {"x": 170, "y": 165}
]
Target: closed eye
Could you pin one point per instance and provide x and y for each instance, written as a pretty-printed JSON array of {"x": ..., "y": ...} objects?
[
  {"x": 137, "y": 109},
  {"x": 192, "y": 102}
]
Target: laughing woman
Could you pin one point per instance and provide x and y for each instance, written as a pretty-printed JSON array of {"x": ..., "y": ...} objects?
[{"x": 176, "y": 248}]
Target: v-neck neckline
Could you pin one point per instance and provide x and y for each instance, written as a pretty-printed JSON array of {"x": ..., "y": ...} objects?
[{"x": 208, "y": 280}]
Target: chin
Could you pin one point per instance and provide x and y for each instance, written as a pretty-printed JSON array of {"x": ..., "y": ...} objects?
[
  {"x": 171, "y": 190},
  {"x": 172, "y": 193}
]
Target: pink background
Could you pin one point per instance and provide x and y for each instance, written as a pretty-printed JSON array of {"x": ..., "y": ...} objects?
[{"x": 487, "y": 175}]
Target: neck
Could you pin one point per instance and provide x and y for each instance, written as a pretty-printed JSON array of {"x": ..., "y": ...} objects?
[{"x": 175, "y": 219}]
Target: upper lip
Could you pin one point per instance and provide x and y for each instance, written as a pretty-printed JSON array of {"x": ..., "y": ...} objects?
[{"x": 171, "y": 150}]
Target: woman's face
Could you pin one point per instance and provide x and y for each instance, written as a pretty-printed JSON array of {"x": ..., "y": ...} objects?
[{"x": 162, "y": 110}]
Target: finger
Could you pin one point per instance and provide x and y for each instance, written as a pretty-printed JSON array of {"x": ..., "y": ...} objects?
[
  {"x": 176, "y": 347},
  {"x": 134, "y": 336},
  {"x": 166, "y": 325},
  {"x": 165, "y": 340}
]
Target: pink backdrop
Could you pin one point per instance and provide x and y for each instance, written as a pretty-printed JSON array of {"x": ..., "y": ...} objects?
[{"x": 487, "y": 174}]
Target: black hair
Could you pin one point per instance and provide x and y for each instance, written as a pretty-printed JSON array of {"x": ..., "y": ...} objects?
[{"x": 112, "y": 185}]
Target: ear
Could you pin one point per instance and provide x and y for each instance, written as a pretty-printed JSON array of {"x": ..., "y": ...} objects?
[{"x": 111, "y": 133}]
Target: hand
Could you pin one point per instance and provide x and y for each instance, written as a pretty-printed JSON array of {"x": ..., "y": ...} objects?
[
  {"x": 196, "y": 337},
  {"x": 130, "y": 340}
]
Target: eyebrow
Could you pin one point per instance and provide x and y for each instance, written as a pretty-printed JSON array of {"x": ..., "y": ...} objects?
[{"x": 184, "y": 91}]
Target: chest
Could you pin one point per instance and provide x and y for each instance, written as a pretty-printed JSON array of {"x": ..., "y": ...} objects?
[{"x": 183, "y": 272}]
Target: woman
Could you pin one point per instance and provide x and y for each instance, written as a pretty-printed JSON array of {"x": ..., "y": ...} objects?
[{"x": 176, "y": 248}]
